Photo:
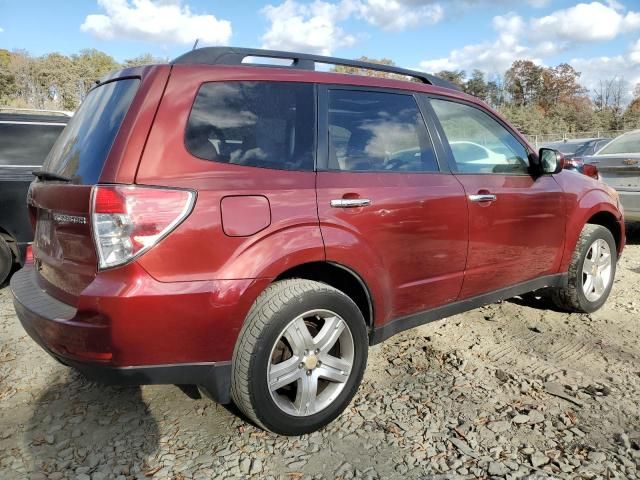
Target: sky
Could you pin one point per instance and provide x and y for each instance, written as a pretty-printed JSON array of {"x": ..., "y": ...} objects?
[{"x": 601, "y": 39}]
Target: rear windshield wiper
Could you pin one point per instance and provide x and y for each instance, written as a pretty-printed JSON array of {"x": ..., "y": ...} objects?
[{"x": 44, "y": 175}]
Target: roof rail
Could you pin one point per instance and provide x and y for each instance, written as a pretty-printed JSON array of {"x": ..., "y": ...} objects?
[
  {"x": 303, "y": 61},
  {"x": 38, "y": 110}
]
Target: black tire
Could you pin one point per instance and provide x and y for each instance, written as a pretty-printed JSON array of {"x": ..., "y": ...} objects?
[
  {"x": 274, "y": 309},
  {"x": 572, "y": 297},
  {"x": 6, "y": 260}
]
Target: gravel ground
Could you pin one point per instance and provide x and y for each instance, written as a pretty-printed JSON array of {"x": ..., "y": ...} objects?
[{"x": 510, "y": 390}]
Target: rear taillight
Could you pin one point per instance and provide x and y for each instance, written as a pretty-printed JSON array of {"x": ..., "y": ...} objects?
[
  {"x": 127, "y": 221},
  {"x": 28, "y": 254},
  {"x": 591, "y": 171}
]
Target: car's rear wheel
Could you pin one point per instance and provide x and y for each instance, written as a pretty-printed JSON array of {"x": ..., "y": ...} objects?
[
  {"x": 6, "y": 260},
  {"x": 300, "y": 357},
  {"x": 591, "y": 272}
]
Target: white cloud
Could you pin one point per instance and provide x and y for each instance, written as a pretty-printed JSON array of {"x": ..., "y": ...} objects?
[
  {"x": 309, "y": 28},
  {"x": 495, "y": 56},
  {"x": 156, "y": 21},
  {"x": 605, "y": 68},
  {"x": 400, "y": 14},
  {"x": 1, "y": 29},
  {"x": 537, "y": 38},
  {"x": 585, "y": 22},
  {"x": 315, "y": 26}
]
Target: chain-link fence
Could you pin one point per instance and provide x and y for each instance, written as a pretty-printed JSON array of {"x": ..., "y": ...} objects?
[{"x": 544, "y": 138}]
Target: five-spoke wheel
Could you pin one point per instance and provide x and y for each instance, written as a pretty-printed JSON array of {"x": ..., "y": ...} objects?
[
  {"x": 311, "y": 362},
  {"x": 300, "y": 357},
  {"x": 591, "y": 272},
  {"x": 596, "y": 270}
]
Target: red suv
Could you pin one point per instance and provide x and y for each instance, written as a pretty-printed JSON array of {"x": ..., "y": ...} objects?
[{"x": 253, "y": 229}]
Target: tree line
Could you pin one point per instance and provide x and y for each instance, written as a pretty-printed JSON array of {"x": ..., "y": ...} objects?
[
  {"x": 535, "y": 98},
  {"x": 541, "y": 100},
  {"x": 55, "y": 81}
]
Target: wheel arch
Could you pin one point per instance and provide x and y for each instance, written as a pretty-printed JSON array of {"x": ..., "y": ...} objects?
[
  {"x": 338, "y": 276},
  {"x": 608, "y": 220}
]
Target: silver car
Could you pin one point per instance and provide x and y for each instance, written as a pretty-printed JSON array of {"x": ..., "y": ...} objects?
[{"x": 619, "y": 166}]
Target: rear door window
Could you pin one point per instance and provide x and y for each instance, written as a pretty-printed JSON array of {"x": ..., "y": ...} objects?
[
  {"x": 372, "y": 131},
  {"x": 83, "y": 147},
  {"x": 258, "y": 124},
  {"x": 25, "y": 144}
]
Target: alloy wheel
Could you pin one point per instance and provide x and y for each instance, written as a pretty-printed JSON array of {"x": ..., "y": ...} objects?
[
  {"x": 596, "y": 270},
  {"x": 311, "y": 362}
]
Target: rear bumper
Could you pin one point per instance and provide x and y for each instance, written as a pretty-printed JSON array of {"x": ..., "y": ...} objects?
[
  {"x": 141, "y": 332},
  {"x": 631, "y": 203}
]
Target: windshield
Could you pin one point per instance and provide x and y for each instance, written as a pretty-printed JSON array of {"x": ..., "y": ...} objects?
[
  {"x": 628, "y": 143},
  {"x": 82, "y": 149}
]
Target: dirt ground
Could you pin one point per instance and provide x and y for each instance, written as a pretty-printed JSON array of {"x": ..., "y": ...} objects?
[{"x": 511, "y": 390}]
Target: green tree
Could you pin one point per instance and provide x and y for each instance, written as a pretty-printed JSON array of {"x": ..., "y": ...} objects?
[
  {"x": 524, "y": 82},
  {"x": 145, "y": 59},
  {"x": 477, "y": 85},
  {"x": 90, "y": 66},
  {"x": 7, "y": 80},
  {"x": 367, "y": 72},
  {"x": 456, "y": 77}
]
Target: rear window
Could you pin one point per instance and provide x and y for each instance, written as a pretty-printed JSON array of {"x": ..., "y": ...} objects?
[
  {"x": 83, "y": 147},
  {"x": 259, "y": 124},
  {"x": 628, "y": 143},
  {"x": 27, "y": 144}
]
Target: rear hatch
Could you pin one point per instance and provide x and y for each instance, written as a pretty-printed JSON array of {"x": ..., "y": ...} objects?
[
  {"x": 60, "y": 200},
  {"x": 621, "y": 171}
]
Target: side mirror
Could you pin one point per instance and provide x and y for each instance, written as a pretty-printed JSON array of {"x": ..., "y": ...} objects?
[{"x": 551, "y": 161}]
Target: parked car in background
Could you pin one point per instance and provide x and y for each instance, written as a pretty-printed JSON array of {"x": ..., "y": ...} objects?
[
  {"x": 619, "y": 165},
  {"x": 578, "y": 148},
  {"x": 26, "y": 136},
  {"x": 254, "y": 229}
]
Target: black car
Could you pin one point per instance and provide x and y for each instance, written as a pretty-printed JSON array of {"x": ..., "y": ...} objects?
[{"x": 26, "y": 136}]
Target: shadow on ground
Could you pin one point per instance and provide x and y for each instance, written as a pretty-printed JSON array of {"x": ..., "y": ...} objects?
[
  {"x": 83, "y": 424},
  {"x": 633, "y": 233}
]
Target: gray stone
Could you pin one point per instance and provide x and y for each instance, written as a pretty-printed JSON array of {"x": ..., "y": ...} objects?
[
  {"x": 538, "y": 459},
  {"x": 499, "y": 426},
  {"x": 535, "y": 416},
  {"x": 519, "y": 419},
  {"x": 496, "y": 468},
  {"x": 597, "y": 457},
  {"x": 245, "y": 465}
]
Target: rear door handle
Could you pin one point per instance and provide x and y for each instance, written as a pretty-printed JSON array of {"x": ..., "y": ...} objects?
[
  {"x": 483, "y": 197},
  {"x": 350, "y": 202}
]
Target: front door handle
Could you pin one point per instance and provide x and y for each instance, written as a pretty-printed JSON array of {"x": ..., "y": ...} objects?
[
  {"x": 483, "y": 197},
  {"x": 350, "y": 202}
]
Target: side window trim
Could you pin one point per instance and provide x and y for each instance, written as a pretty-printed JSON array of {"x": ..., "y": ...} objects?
[
  {"x": 442, "y": 137},
  {"x": 322, "y": 126},
  {"x": 322, "y": 136},
  {"x": 442, "y": 151}
]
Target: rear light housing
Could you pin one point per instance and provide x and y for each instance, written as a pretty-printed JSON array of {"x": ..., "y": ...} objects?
[
  {"x": 591, "y": 171},
  {"x": 28, "y": 254},
  {"x": 129, "y": 220}
]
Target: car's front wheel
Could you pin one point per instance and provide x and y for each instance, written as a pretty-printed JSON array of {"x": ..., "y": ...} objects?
[
  {"x": 591, "y": 272},
  {"x": 300, "y": 357}
]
